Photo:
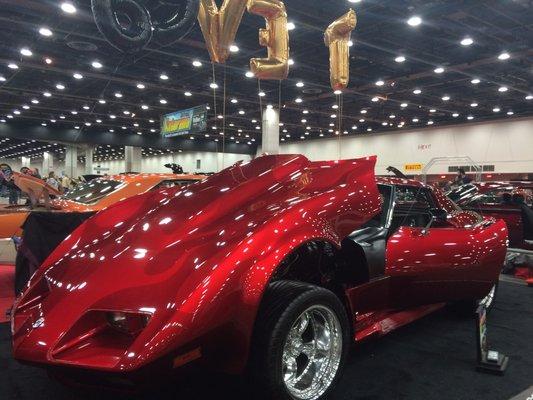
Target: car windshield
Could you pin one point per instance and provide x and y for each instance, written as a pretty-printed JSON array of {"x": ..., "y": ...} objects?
[{"x": 92, "y": 191}]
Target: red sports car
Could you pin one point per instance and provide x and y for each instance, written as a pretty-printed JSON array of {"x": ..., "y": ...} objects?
[
  {"x": 510, "y": 201},
  {"x": 270, "y": 267}
]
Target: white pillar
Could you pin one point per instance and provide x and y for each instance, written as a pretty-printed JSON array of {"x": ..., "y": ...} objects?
[
  {"x": 48, "y": 164},
  {"x": 71, "y": 161},
  {"x": 26, "y": 161},
  {"x": 270, "y": 137},
  {"x": 89, "y": 160},
  {"x": 133, "y": 158}
]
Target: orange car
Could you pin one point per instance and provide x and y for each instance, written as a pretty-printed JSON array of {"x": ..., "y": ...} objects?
[{"x": 92, "y": 196}]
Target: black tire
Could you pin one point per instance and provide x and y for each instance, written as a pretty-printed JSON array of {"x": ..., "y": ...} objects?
[{"x": 283, "y": 303}]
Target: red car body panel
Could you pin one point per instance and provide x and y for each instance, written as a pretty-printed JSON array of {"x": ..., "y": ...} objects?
[{"x": 197, "y": 261}]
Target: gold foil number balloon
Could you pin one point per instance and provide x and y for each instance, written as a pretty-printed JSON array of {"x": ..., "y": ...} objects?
[
  {"x": 275, "y": 37},
  {"x": 219, "y": 27},
  {"x": 336, "y": 38}
]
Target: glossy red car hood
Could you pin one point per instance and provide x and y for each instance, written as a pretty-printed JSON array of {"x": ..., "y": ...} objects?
[{"x": 194, "y": 257}]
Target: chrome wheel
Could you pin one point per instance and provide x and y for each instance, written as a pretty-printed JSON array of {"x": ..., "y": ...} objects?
[
  {"x": 489, "y": 298},
  {"x": 312, "y": 353}
]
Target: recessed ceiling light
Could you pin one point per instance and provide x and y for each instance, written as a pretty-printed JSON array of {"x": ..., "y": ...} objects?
[
  {"x": 291, "y": 26},
  {"x": 415, "y": 120},
  {"x": 403, "y": 105},
  {"x": 432, "y": 110},
  {"x": 213, "y": 85},
  {"x": 446, "y": 98},
  {"x": 77, "y": 76},
  {"x": 144, "y": 107},
  {"x": 417, "y": 91},
  {"x": 141, "y": 86},
  {"x": 300, "y": 84},
  {"x": 44, "y": 31},
  {"x": 503, "y": 89},
  {"x": 196, "y": 63},
  {"x": 26, "y": 107},
  {"x": 364, "y": 111},
  {"x": 298, "y": 100},
  {"x": 35, "y": 101},
  {"x": 470, "y": 117},
  {"x": 26, "y": 52},
  {"x": 163, "y": 101},
  {"x": 474, "y": 104},
  {"x": 375, "y": 99},
  {"x": 380, "y": 83},
  {"x": 475, "y": 81},
  {"x": 47, "y": 94},
  {"x": 12, "y": 66},
  {"x": 101, "y": 101},
  {"x": 68, "y": 7},
  {"x": 400, "y": 59},
  {"x": 467, "y": 41},
  {"x": 86, "y": 107},
  {"x": 455, "y": 115},
  {"x": 496, "y": 109},
  {"x": 241, "y": 112},
  {"x": 504, "y": 56},
  {"x": 510, "y": 113},
  {"x": 350, "y": 43},
  {"x": 118, "y": 95},
  {"x": 97, "y": 64},
  {"x": 188, "y": 94},
  {"x": 439, "y": 70},
  {"x": 414, "y": 21},
  {"x": 48, "y": 60},
  {"x": 261, "y": 94},
  {"x": 60, "y": 86},
  {"x": 529, "y": 97},
  {"x": 163, "y": 77},
  {"x": 291, "y": 61},
  {"x": 430, "y": 122},
  {"x": 234, "y": 101},
  {"x": 233, "y": 48},
  {"x": 2, "y": 79},
  {"x": 74, "y": 112},
  {"x": 249, "y": 74}
]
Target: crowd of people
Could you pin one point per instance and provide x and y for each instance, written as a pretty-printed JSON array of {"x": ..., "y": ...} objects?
[{"x": 62, "y": 183}]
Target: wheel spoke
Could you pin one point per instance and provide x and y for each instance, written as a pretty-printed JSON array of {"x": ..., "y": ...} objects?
[{"x": 301, "y": 325}]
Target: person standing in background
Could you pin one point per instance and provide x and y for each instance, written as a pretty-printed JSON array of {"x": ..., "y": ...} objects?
[{"x": 52, "y": 181}]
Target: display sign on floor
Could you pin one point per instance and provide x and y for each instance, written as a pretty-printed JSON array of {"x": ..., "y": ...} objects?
[
  {"x": 488, "y": 361},
  {"x": 184, "y": 122}
]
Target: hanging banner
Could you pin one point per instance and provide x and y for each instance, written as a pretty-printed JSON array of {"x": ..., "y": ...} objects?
[{"x": 184, "y": 122}]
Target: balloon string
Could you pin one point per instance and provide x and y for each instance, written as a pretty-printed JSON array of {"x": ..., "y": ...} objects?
[
  {"x": 224, "y": 118},
  {"x": 215, "y": 104},
  {"x": 261, "y": 110}
]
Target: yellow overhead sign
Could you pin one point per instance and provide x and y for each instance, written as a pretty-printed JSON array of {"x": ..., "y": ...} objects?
[{"x": 413, "y": 167}]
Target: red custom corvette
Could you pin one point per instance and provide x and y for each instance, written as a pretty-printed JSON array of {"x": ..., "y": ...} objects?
[{"x": 270, "y": 267}]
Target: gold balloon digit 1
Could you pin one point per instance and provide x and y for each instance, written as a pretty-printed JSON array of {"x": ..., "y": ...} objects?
[
  {"x": 336, "y": 37},
  {"x": 275, "y": 37},
  {"x": 219, "y": 27}
]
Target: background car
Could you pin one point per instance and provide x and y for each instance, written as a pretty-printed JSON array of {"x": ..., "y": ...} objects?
[
  {"x": 271, "y": 268},
  {"x": 510, "y": 201},
  {"x": 91, "y": 196}
]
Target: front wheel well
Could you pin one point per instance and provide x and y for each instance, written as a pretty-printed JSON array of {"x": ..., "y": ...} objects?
[{"x": 321, "y": 263}]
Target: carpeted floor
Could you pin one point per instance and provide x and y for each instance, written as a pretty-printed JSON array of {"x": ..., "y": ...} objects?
[
  {"x": 434, "y": 358},
  {"x": 7, "y": 278}
]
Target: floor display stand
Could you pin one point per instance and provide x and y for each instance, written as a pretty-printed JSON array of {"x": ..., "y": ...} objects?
[{"x": 488, "y": 361}]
